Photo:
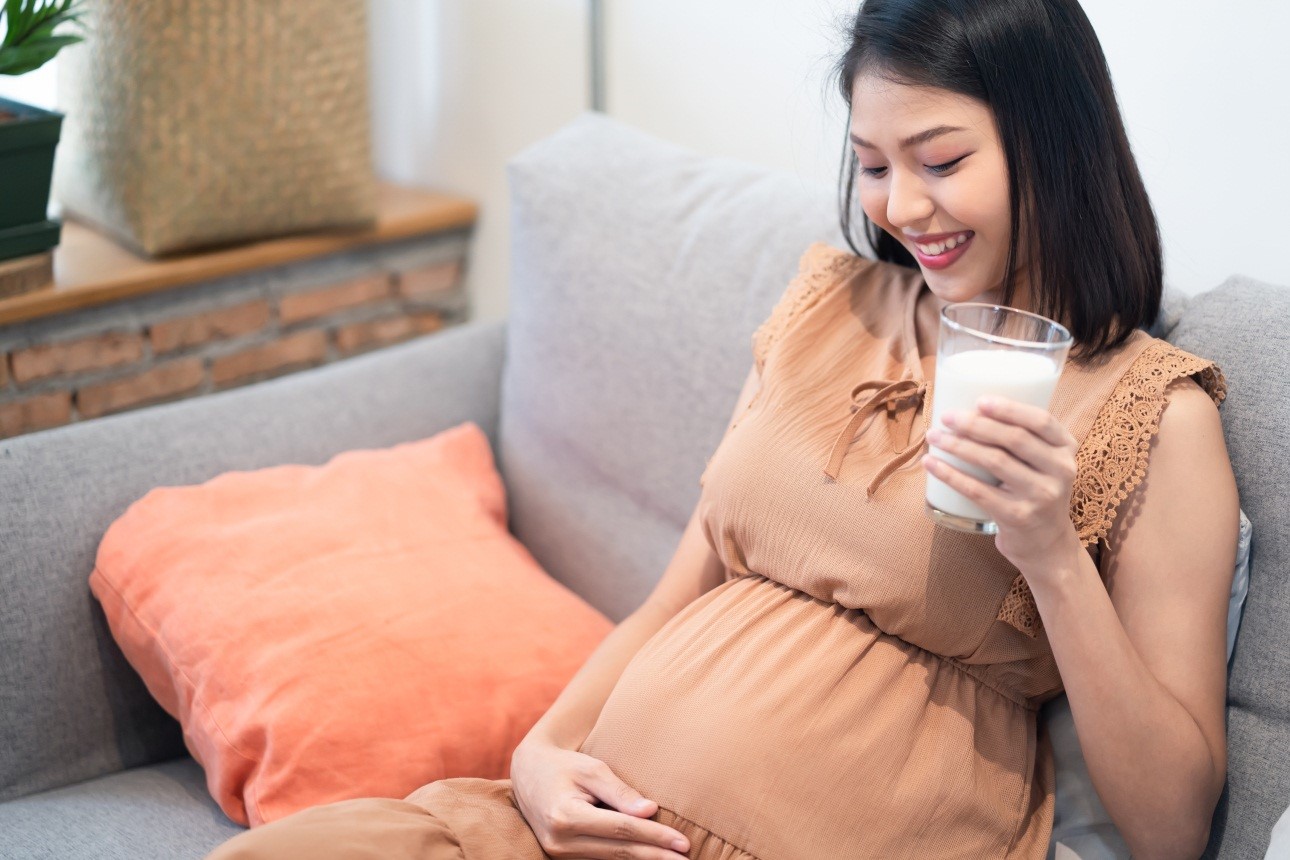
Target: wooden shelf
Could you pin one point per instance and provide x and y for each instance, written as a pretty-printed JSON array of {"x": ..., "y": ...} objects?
[{"x": 92, "y": 269}]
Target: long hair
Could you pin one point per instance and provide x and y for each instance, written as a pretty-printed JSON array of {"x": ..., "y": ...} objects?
[{"x": 1096, "y": 264}]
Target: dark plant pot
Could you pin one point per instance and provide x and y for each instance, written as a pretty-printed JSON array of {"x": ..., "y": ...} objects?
[{"x": 28, "y": 136}]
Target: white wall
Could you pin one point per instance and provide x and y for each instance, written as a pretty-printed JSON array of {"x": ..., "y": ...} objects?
[
  {"x": 459, "y": 86},
  {"x": 34, "y": 88},
  {"x": 1204, "y": 91},
  {"x": 743, "y": 78}
]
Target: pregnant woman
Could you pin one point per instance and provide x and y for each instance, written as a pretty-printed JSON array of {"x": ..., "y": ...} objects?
[{"x": 823, "y": 672}]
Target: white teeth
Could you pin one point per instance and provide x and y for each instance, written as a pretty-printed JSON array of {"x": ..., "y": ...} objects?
[{"x": 939, "y": 248}]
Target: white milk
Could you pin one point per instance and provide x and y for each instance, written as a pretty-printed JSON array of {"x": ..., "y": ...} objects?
[{"x": 961, "y": 379}]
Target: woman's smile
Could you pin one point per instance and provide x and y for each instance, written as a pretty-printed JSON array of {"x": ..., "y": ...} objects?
[{"x": 940, "y": 250}]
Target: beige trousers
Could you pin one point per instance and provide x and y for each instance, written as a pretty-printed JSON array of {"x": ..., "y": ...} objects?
[{"x": 449, "y": 819}]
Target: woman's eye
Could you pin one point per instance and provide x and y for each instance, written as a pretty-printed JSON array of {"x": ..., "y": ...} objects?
[
  {"x": 939, "y": 169},
  {"x": 934, "y": 169}
]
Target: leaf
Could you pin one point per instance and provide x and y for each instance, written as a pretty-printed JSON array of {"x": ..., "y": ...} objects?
[
  {"x": 13, "y": 21},
  {"x": 26, "y": 58},
  {"x": 45, "y": 30},
  {"x": 25, "y": 17},
  {"x": 22, "y": 16},
  {"x": 29, "y": 32}
]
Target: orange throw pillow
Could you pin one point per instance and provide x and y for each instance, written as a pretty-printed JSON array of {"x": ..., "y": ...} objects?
[{"x": 355, "y": 629}]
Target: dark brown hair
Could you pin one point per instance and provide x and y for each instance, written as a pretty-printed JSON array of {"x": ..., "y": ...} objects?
[{"x": 1038, "y": 66}]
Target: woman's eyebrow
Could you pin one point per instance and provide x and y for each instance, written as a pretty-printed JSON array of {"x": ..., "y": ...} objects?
[{"x": 913, "y": 139}]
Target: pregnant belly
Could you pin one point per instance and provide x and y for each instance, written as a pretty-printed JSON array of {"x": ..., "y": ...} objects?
[{"x": 794, "y": 728}]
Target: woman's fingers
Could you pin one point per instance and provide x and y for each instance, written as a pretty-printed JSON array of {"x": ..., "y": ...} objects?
[
  {"x": 628, "y": 820},
  {"x": 610, "y": 825},
  {"x": 988, "y": 497},
  {"x": 597, "y": 848},
  {"x": 1021, "y": 442},
  {"x": 1038, "y": 421},
  {"x": 598, "y": 779},
  {"x": 556, "y": 790},
  {"x": 998, "y": 462}
]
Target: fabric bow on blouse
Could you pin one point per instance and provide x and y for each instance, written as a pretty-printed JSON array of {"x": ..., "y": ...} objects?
[{"x": 896, "y": 396}]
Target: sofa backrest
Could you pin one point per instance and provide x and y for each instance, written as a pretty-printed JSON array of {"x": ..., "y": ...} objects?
[
  {"x": 71, "y": 707},
  {"x": 640, "y": 270},
  {"x": 1244, "y": 326}
]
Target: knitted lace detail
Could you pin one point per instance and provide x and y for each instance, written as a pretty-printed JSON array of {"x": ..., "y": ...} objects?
[
  {"x": 820, "y": 267},
  {"x": 1112, "y": 459}
]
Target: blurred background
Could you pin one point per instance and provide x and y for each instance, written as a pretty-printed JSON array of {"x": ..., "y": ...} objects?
[{"x": 458, "y": 86}]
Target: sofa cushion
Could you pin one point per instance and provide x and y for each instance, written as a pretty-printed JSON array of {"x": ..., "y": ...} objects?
[
  {"x": 640, "y": 270},
  {"x": 71, "y": 707},
  {"x": 355, "y": 629},
  {"x": 1244, "y": 326},
  {"x": 156, "y": 812}
]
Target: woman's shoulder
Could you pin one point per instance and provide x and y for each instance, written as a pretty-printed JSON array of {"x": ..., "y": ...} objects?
[
  {"x": 822, "y": 261},
  {"x": 825, "y": 271}
]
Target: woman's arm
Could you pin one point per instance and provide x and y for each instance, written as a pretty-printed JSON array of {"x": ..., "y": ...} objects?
[
  {"x": 693, "y": 570},
  {"x": 1143, "y": 657}
]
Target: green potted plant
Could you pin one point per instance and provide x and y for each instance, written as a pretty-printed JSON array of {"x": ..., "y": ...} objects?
[{"x": 28, "y": 135}]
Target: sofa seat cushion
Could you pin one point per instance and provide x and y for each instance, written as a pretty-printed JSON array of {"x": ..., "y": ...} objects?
[{"x": 158, "y": 812}]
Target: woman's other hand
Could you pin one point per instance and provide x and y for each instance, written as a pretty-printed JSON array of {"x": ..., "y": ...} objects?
[
  {"x": 556, "y": 790},
  {"x": 1033, "y": 456}
]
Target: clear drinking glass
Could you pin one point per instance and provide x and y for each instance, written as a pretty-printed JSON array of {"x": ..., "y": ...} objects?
[{"x": 988, "y": 349}]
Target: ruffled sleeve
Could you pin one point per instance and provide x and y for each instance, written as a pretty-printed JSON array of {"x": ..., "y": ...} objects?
[
  {"x": 1112, "y": 459},
  {"x": 819, "y": 267}
]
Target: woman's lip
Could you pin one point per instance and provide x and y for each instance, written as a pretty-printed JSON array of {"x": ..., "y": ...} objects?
[{"x": 940, "y": 261}]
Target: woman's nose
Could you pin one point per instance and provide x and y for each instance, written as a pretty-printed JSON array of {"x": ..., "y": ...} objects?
[{"x": 907, "y": 201}]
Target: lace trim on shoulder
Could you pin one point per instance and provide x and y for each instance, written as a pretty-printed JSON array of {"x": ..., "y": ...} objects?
[
  {"x": 820, "y": 266},
  {"x": 1112, "y": 459}
]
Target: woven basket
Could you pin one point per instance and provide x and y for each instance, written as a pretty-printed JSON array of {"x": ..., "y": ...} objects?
[{"x": 194, "y": 123}]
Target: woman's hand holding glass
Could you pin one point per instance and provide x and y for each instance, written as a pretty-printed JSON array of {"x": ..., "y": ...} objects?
[
  {"x": 1033, "y": 456},
  {"x": 557, "y": 789}
]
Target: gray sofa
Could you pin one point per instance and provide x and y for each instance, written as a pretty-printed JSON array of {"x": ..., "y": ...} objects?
[{"x": 639, "y": 271}]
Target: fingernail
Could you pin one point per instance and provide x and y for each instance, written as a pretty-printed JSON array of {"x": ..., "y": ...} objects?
[
  {"x": 680, "y": 845},
  {"x": 641, "y": 805},
  {"x": 949, "y": 419},
  {"x": 987, "y": 402},
  {"x": 934, "y": 435}
]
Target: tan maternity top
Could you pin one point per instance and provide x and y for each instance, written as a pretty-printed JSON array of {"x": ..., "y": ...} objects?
[{"x": 864, "y": 683}]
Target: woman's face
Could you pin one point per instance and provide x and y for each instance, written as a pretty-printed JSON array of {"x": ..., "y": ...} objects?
[{"x": 932, "y": 173}]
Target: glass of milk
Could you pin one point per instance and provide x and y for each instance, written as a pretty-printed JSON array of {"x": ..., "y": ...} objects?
[{"x": 988, "y": 349}]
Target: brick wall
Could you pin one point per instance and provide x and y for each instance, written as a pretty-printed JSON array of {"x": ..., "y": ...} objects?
[{"x": 223, "y": 333}]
